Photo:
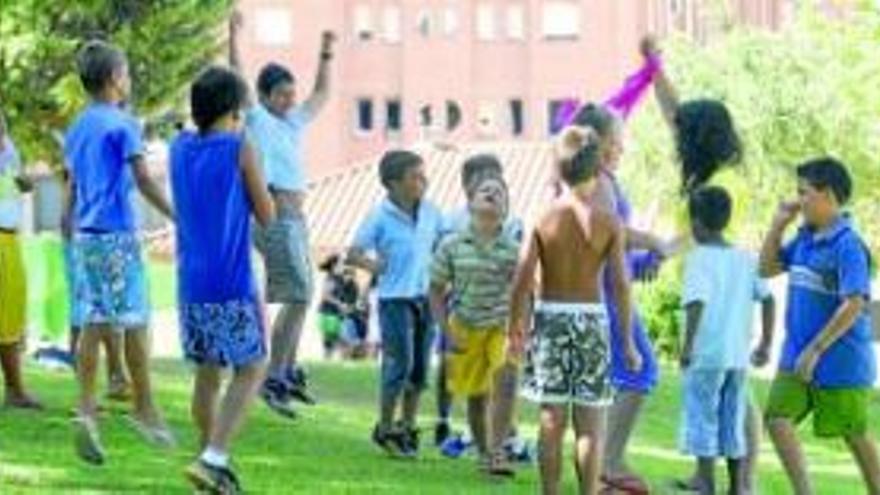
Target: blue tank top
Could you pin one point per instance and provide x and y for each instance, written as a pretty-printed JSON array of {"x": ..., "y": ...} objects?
[{"x": 213, "y": 213}]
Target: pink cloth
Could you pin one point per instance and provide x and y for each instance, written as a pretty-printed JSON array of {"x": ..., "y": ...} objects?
[{"x": 624, "y": 100}]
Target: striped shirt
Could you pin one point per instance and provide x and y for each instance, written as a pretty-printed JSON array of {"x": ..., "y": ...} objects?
[{"x": 480, "y": 275}]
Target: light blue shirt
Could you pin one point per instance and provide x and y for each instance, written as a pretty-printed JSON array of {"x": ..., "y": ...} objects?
[
  {"x": 405, "y": 244},
  {"x": 279, "y": 143},
  {"x": 726, "y": 280},
  {"x": 10, "y": 197}
]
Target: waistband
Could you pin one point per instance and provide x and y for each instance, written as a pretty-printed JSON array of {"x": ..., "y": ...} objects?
[{"x": 576, "y": 308}]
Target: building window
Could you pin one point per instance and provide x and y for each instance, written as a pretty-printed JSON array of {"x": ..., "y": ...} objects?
[
  {"x": 391, "y": 24},
  {"x": 393, "y": 115},
  {"x": 272, "y": 27},
  {"x": 424, "y": 23},
  {"x": 516, "y": 27},
  {"x": 554, "y": 108},
  {"x": 517, "y": 118},
  {"x": 562, "y": 20},
  {"x": 453, "y": 115},
  {"x": 450, "y": 21},
  {"x": 364, "y": 115},
  {"x": 363, "y": 23},
  {"x": 485, "y": 22}
]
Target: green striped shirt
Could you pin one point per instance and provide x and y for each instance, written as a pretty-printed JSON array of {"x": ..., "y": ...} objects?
[{"x": 480, "y": 275}]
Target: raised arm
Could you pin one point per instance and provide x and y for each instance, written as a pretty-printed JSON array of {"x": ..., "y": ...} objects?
[
  {"x": 258, "y": 192},
  {"x": 321, "y": 92},
  {"x": 667, "y": 95},
  {"x": 771, "y": 261},
  {"x": 236, "y": 22}
]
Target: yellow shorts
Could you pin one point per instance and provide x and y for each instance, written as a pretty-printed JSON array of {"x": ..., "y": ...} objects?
[
  {"x": 13, "y": 290},
  {"x": 478, "y": 354}
]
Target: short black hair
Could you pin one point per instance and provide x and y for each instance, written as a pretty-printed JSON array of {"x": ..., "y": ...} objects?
[
  {"x": 479, "y": 165},
  {"x": 827, "y": 173},
  {"x": 271, "y": 75},
  {"x": 216, "y": 92},
  {"x": 711, "y": 206},
  {"x": 329, "y": 262},
  {"x": 584, "y": 165},
  {"x": 706, "y": 140},
  {"x": 394, "y": 165},
  {"x": 597, "y": 118},
  {"x": 97, "y": 63}
]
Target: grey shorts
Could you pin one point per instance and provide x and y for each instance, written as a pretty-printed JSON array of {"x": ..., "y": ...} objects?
[{"x": 284, "y": 246}]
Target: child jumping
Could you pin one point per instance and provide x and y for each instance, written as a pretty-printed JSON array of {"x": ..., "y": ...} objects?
[
  {"x": 217, "y": 183},
  {"x": 402, "y": 233},
  {"x": 567, "y": 369},
  {"x": 828, "y": 366},
  {"x": 721, "y": 284},
  {"x": 104, "y": 153}
]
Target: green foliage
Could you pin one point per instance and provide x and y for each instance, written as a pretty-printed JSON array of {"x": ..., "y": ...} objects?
[
  {"x": 812, "y": 89},
  {"x": 166, "y": 41}
]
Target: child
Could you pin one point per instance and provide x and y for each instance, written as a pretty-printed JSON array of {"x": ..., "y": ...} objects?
[
  {"x": 402, "y": 232},
  {"x": 220, "y": 317},
  {"x": 721, "y": 284},
  {"x": 568, "y": 364},
  {"x": 105, "y": 157},
  {"x": 338, "y": 302},
  {"x": 477, "y": 263},
  {"x": 13, "y": 291},
  {"x": 277, "y": 124},
  {"x": 828, "y": 366}
]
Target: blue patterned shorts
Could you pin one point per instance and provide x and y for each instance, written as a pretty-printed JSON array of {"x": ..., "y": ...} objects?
[
  {"x": 222, "y": 334},
  {"x": 110, "y": 281},
  {"x": 714, "y": 413}
]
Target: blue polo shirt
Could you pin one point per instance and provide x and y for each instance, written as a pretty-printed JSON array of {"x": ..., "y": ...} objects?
[
  {"x": 99, "y": 148},
  {"x": 825, "y": 267},
  {"x": 406, "y": 245}
]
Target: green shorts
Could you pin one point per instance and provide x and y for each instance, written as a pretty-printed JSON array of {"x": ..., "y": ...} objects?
[
  {"x": 330, "y": 325},
  {"x": 837, "y": 412}
]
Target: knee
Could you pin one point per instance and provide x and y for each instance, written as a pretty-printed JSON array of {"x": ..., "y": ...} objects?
[
  {"x": 777, "y": 425},
  {"x": 554, "y": 422}
]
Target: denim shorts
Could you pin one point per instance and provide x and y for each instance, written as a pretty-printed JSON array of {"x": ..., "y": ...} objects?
[
  {"x": 407, "y": 335},
  {"x": 714, "y": 413}
]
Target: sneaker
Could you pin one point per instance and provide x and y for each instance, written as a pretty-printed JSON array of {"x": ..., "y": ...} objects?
[
  {"x": 410, "y": 439},
  {"x": 499, "y": 465},
  {"x": 441, "y": 432},
  {"x": 455, "y": 446},
  {"x": 520, "y": 451},
  {"x": 298, "y": 386},
  {"x": 274, "y": 394},
  {"x": 87, "y": 442},
  {"x": 207, "y": 478},
  {"x": 386, "y": 440}
]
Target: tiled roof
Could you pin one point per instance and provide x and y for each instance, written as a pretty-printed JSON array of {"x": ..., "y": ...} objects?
[{"x": 336, "y": 204}]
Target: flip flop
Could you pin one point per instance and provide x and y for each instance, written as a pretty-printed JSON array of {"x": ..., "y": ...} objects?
[{"x": 627, "y": 483}]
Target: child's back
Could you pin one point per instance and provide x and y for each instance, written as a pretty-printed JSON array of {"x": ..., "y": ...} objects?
[
  {"x": 213, "y": 217},
  {"x": 99, "y": 147},
  {"x": 726, "y": 281}
]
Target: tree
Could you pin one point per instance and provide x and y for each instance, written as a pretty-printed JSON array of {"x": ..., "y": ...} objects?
[{"x": 166, "y": 41}]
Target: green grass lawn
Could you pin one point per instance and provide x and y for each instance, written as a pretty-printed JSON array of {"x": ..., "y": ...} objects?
[{"x": 327, "y": 450}]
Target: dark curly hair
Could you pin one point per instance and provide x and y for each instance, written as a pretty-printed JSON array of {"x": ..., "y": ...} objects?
[{"x": 706, "y": 141}]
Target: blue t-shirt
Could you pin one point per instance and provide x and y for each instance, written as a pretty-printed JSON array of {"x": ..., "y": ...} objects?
[
  {"x": 99, "y": 148},
  {"x": 279, "y": 143},
  {"x": 726, "y": 281},
  {"x": 405, "y": 244},
  {"x": 213, "y": 218},
  {"x": 825, "y": 268}
]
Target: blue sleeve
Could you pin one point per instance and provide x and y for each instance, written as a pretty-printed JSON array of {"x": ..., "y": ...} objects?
[
  {"x": 131, "y": 140},
  {"x": 367, "y": 235},
  {"x": 853, "y": 268}
]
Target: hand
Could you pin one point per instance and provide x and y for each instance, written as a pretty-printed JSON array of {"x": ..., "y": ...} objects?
[
  {"x": 633, "y": 358},
  {"x": 648, "y": 46},
  {"x": 806, "y": 364},
  {"x": 684, "y": 361},
  {"x": 786, "y": 212},
  {"x": 760, "y": 357}
]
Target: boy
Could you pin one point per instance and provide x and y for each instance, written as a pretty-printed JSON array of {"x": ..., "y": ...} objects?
[
  {"x": 568, "y": 363},
  {"x": 220, "y": 314},
  {"x": 402, "y": 231},
  {"x": 721, "y": 284},
  {"x": 13, "y": 291},
  {"x": 828, "y": 364},
  {"x": 277, "y": 124},
  {"x": 104, "y": 153},
  {"x": 477, "y": 263}
]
